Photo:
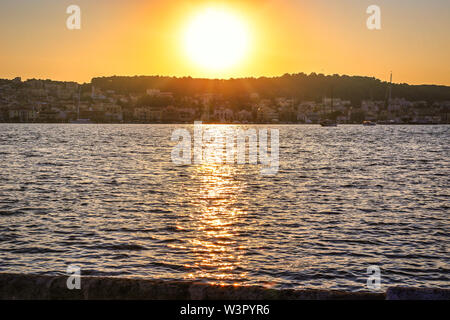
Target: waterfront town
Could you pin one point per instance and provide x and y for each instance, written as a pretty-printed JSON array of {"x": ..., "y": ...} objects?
[{"x": 46, "y": 101}]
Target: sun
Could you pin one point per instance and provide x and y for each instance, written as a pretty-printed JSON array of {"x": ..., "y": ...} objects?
[{"x": 216, "y": 39}]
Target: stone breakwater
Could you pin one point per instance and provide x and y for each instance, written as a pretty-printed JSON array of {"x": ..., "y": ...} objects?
[{"x": 43, "y": 287}]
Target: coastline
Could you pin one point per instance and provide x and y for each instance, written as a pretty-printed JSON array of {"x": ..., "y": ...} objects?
[
  {"x": 231, "y": 124},
  {"x": 45, "y": 287}
]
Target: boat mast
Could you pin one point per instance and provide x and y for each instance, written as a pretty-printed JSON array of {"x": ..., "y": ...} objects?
[
  {"x": 331, "y": 98},
  {"x": 78, "y": 103},
  {"x": 389, "y": 93}
]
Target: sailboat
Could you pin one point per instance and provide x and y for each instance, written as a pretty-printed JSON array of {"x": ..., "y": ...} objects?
[
  {"x": 78, "y": 120},
  {"x": 329, "y": 122}
]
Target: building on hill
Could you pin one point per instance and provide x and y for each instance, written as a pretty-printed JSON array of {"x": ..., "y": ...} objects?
[
  {"x": 147, "y": 114},
  {"x": 186, "y": 115},
  {"x": 157, "y": 93},
  {"x": 266, "y": 114},
  {"x": 223, "y": 115},
  {"x": 22, "y": 114},
  {"x": 244, "y": 116}
]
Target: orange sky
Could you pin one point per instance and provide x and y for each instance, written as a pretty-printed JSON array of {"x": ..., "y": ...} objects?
[{"x": 138, "y": 37}]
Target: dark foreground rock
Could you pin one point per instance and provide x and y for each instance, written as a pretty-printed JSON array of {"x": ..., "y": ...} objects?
[
  {"x": 404, "y": 293},
  {"x": 19, "y": 286}
]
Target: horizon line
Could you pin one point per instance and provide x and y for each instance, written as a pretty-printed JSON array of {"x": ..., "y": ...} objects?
[{"x": 227, "y": 79}]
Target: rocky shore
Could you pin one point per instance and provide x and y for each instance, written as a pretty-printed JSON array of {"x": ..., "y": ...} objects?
[{"x": 43, "y": 287}]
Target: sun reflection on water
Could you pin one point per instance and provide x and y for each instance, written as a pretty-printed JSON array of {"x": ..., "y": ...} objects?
[{"x": 218, "y": 247}]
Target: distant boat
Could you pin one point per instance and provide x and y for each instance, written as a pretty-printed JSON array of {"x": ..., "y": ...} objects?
[
  {"x": 78, "y": 120},
  {"x": 328, "y": 123},
  {"x": 81, "y": 121},
  {"x": 369, "y": 123}
]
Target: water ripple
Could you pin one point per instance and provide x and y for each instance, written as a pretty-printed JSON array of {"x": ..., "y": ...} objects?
[{"x": 108, "y": 198}]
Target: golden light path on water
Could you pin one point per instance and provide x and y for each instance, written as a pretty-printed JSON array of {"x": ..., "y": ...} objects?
[{"x": 216, "y": 249}]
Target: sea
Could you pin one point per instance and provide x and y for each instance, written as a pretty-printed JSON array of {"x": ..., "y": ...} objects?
[{"x": 345, "y": 203}]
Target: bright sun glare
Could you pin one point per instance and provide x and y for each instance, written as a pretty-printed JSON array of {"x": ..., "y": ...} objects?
[{"x": 216, "y": 39}]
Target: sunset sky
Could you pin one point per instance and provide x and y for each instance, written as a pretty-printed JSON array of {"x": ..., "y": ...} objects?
[{"x": 144, "y": 37}]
